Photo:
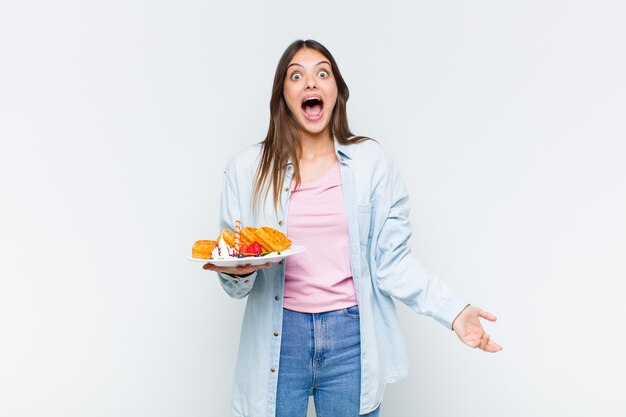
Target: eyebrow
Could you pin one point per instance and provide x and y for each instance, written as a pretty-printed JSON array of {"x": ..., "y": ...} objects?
[{"x": 321, "y": 62}]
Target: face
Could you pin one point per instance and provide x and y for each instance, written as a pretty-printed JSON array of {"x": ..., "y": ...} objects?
[{"x": 310, "y": 90}]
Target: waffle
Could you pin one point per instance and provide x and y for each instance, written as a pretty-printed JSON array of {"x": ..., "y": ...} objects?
[
  {"x": 271, "y": 239},
  {"x": 248, "y": 235},
  {"x": 202, "y": 249},
  {"x": 229, "y": 237}
]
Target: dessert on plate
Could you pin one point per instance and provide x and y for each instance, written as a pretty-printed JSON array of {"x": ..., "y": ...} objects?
[{"x": 241, "y": 243}]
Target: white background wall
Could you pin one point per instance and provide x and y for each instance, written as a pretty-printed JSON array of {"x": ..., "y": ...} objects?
[{"x": 116, "y": 118}]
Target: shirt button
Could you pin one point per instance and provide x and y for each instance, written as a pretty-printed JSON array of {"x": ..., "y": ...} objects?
[
  {"x": 273, "y": 369},
  {"x": 277, "y": 298},
  {"x": 280, "y": 222},
  {"x": 290, "y": 168},
  {"x": 276, "y": 333},
  {"x": 286, "y": 189}
]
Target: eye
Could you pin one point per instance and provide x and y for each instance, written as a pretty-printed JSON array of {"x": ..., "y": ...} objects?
[
  {"x": 324, "y": 74},
  {"x": 296, "y": 76}
]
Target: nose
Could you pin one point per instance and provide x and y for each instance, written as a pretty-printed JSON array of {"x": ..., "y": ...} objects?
[{"x": 311, "y": 84}]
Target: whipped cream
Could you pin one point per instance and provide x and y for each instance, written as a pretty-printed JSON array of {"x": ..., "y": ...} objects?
[{"x": 222, "y": 250}]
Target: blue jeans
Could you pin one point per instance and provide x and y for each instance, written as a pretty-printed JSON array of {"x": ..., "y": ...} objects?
[{"x": 320, "y": 355}]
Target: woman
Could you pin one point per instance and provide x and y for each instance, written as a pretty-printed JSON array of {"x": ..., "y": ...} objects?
[{"x": 323, "y": 322}]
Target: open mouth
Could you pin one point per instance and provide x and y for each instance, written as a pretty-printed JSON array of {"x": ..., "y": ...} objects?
[{"x": 312, "y": 108}]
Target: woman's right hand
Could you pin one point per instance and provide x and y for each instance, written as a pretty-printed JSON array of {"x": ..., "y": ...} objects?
[{"x": 236, "y": 270}]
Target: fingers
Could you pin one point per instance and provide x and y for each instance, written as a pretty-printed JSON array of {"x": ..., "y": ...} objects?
[
  {"x": 248, "y": 269},
  {"x": 488, "y": 345},
  {"x": 235, "y": 270},
  {"x": 492, "y": 347},
  {"x": 486, "y": 315},
  {"x": 211, "y": 267},
  {"x": 484, "y": 341}
]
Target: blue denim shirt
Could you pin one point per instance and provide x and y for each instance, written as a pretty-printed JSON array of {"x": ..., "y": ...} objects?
[{"x": 383, "y": 269}]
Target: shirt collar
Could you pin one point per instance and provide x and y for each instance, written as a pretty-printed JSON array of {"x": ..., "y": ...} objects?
[{"x": 342, "y": 151}]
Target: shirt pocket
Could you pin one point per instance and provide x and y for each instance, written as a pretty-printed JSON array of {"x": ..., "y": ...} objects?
[{"x": 364, "y": 219}]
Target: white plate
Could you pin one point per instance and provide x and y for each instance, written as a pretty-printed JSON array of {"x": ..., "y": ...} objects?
[{"x": 253, "y": 260}]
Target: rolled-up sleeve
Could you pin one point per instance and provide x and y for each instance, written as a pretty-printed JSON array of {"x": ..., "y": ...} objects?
[{"x": 237, "y": 287}]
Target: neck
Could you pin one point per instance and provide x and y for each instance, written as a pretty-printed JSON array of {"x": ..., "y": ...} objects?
[{"x": 316, "y": 145}]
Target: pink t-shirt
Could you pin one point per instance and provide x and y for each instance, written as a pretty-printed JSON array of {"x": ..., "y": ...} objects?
[{"x": 319, "y": 279}]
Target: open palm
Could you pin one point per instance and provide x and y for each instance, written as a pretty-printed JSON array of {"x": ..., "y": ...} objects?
[{"x": 468, "y": 328}]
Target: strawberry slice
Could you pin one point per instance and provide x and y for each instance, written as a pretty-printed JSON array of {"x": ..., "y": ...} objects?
[{"x": 255, "y": 248}]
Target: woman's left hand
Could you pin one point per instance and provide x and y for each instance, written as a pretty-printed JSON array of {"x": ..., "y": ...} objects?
[{"x": 467, "y": 326}]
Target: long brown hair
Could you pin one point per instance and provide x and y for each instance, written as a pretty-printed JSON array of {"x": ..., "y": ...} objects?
[{"x": 282, "y": 143}]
